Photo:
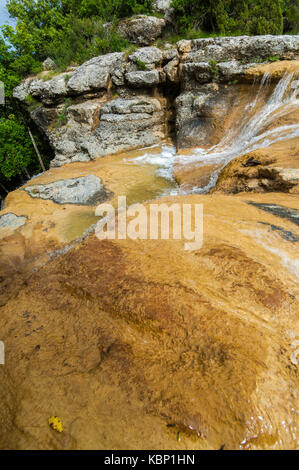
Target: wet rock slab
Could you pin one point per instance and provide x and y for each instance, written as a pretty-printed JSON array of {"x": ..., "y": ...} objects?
[{"x": 86, "y": 190}]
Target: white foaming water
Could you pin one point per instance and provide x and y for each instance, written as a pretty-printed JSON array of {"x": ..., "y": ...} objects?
[
  {"x": 291, "y": 263},
  {"x": 249, "y": 135}
]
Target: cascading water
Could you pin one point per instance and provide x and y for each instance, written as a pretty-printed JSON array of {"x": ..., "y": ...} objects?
[{"x": 252, "y": 133}]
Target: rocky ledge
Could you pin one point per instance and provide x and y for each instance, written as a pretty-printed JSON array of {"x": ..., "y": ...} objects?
[
  {"x": 115, "y": 103},
  {"x": 134, "y": 343}
]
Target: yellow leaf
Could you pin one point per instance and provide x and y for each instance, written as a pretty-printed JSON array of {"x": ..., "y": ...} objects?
[{"x": 56, "y": 423}]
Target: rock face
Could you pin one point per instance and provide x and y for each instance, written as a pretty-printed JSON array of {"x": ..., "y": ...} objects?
[
  {"x": 87, "y": 191},
  {"x": 200, "y": 82},
  {"x": 238, "y": 48},
  {"x": 95, "y": 74},
  {"x": 163, "y": 6},
  {"x": 142, "y": 29}
]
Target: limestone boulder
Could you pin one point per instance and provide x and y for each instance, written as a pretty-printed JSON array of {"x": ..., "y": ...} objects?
[{"x": 50, "y": 91}]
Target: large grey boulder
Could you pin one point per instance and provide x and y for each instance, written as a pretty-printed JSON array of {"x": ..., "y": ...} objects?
[
  {"x": 94, "y": 74},
  {"x": 46, "y": 91},
  {"x": 197, "y": 73},
  {"x": 142, "y": 29},
  {"x": 86, "y": 190}
]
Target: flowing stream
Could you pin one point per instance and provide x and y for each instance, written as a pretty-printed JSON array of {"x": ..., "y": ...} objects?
[{"x": 253, "y": 132}]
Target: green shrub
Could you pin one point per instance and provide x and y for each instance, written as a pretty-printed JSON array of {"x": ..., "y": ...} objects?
[{"x": 291, "y": 16}]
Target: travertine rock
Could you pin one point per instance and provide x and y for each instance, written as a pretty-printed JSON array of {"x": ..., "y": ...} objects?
[
  {"x": 142, "y": 29},
  {"x": 49, "y": 64}
]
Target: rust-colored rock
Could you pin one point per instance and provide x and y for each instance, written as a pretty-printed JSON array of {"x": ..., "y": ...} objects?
[{"x": 131, "y": 342}]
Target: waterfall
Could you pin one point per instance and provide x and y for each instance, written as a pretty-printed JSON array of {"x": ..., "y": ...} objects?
[{"x": 250, "y": 134}]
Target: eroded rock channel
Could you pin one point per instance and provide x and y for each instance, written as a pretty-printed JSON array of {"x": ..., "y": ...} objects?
[{"x": 132, "y": 343}]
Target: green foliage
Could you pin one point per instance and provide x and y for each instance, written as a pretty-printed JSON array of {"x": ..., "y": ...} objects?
[
  {"x": 83, "y": 39},
  {"x": 291, "y": 16},
  {"x": 16, "y": 149}
]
